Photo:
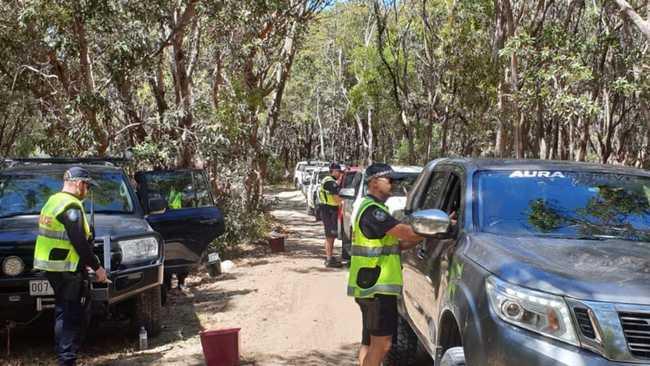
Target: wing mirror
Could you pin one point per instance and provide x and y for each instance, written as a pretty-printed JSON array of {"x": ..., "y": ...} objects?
[
  {"x": 346, "y": 192},
  {"x": 429, "y": 223},
  {"x": 157, "y": 205}
]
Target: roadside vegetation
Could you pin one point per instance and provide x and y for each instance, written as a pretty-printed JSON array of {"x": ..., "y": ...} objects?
[{"x": 244, "y": 89}]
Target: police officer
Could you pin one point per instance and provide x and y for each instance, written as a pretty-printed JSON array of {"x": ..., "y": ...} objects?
[
  {"x": 375, "y": 278},
  {"x": 64, "y": 250},
  {"x": 329, "y": 210}
]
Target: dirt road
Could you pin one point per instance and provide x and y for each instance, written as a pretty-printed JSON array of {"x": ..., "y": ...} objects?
[{"x": 291, "y": 310}]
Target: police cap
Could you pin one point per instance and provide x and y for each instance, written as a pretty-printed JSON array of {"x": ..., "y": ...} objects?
[{"x": 76, "y": 173}]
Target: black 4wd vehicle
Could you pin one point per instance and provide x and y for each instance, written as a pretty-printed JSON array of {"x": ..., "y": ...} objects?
[
  {"x": 548, "y": 263},
  {"x": 134, "y": 242}
]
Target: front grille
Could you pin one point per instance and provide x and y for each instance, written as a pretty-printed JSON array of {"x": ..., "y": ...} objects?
[
  {"x": 584, "y": 322},
  {"x": 636, "y": 327}
]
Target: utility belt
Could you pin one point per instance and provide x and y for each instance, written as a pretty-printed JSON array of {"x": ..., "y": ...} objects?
[{"x": 70, "y": 286}]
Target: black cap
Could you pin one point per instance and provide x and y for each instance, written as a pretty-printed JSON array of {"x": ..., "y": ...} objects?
[
  {"x": 335, "y": 166},
  {"x": 377, "y": 170},
  {"x": 78, "y": 173}
]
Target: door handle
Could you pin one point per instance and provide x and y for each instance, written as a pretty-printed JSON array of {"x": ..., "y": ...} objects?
[{"x": 209, "y": 221}]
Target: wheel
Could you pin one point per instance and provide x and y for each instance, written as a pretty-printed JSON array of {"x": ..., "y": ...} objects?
[
  {"x": 454, "y": 356},
  {"x": 403, "y": 351},
  {"x": 146, "y": 311}
]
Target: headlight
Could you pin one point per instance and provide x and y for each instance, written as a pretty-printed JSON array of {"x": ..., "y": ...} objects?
[
  {"x": 536, "y": 311},
  {"x": 13, "y": 266},
  {"x": 138, "y": 250}
]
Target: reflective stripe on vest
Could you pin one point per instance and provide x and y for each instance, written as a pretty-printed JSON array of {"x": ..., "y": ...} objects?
[
  {"x": 381, "y": 289},
  {"x": 362, "y": 251},
  {"x": 372, "y": 253},
  {"x": 52, "y": 235},
  {"x": 326, "y": 198}
]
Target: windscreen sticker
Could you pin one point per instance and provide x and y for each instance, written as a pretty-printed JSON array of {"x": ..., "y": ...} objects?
[{"x": 536, "y": 174}]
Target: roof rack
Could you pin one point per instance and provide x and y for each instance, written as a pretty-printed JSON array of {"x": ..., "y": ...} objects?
[{"x": 110, "y": 161}]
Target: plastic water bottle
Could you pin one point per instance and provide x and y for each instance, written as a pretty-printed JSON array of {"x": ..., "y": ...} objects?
[{"x": 143, "y": 339}]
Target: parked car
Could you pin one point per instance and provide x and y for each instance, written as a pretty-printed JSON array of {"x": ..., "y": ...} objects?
[
  {"x": 348, "y": 180},
  {"x": 353, "y": 195},
  {"x": 546, "y": 263},
  {"x": 312, "y": 191},
  {"x": 131, "y": 251},
  {"x": 298, "y": 173},
  {"x": 304, "y": 169}
]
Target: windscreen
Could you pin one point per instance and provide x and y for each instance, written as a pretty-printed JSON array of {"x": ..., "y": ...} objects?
[
  {"x": 585, "y": 205},
  {"x": 26, "y": 193},
  {"x": 402, "y": 184}
]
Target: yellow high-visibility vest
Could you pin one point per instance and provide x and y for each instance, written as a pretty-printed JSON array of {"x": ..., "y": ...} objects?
[
  {"x": 373, "y": 254},
  {"x": 52, "y": 235}
]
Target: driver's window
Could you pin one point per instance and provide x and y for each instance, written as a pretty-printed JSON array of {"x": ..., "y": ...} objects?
[
  {"x": 435, "y": 188},
  {"x": 452, "y": 201}
]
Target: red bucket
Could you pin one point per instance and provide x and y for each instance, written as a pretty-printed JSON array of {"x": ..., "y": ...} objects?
[
  {"x": 221, "y": 347},
  {"x": 277, "y": 244}
]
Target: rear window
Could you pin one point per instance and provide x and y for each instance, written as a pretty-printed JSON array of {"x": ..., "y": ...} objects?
[
  {"x": 26, "y": 193},
  {"x": 587, "y": 205}
]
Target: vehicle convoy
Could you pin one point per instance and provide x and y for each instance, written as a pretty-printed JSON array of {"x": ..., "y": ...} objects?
[
  {"x": 527, "y": 263},
  {"x": 303, "y": 169},
  {"x": 312, "y": 191},
  {"x": 131, "y": 240},
  {"x": 352, "y": 195}
]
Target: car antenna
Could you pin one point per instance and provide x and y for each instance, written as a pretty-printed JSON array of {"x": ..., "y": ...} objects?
[{"x": 92, "y": 209}]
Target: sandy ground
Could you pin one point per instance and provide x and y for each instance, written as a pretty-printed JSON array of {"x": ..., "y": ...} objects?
[{"x": 291, "y": 310}]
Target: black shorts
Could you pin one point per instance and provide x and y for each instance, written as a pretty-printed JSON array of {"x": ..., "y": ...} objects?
[
  {"x": 329, "y": 215},
  {"x": 379, "y": 316}
]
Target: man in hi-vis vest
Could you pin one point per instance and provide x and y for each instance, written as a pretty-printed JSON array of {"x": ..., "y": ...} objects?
[
  {"x": 64, "y": 250},
  {"x": 328, "y": 194},
  {"x": 375, "y": 278}
]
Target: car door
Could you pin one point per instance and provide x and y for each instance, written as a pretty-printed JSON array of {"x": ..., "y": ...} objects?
[
  {"x": 418, "y": 284},
  {"x": 348, "y": 205},
  {"x": 433, "y": 257},
  {"x": 191, "y": 220}
]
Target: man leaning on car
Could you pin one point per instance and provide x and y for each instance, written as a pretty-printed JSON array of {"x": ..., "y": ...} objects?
[
  {"x": 64, "y": 250},
  {"x": 375, "y": 278}
]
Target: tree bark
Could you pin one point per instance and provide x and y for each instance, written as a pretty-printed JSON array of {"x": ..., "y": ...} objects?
[{"x": 634, "y": 17}]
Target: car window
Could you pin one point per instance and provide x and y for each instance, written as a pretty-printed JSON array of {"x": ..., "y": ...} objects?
[
  {"x": 25, "y": 193},
  {"x": 434, "y": 192},
  {"x": 356, "y": 182},
  {"x": 403, "y": 184},
  {"x": 203, "y": 191},
  {"x": 176, "y": 187},
  {"x": 568, "y": 204},
  {"x": 349, "y": 179}
]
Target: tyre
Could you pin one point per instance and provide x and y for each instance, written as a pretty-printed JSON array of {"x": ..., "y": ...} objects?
[
  {"x": 403, "y": 351},
  {"x": 147, "y": 311},
  {"x": 454, "y": 356}
]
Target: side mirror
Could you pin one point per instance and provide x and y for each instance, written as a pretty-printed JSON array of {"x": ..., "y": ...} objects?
[
  {"x": 429, "y": 223},
  {"x": 157, "y": 205},
  {"x": 346, "y": 192}
]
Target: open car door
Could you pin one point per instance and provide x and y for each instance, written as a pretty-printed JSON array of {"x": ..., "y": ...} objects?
[{"x": 190, "y": 220}]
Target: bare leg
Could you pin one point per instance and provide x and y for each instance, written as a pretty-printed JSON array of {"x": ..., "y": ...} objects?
[
  {"x": 329, "y": 247},
  {"x": 379, "y": 347},
  {"x": 363, "y": 351}
]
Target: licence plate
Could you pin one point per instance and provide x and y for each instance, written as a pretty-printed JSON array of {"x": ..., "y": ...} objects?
[
  {"x": 40, "y": 288},
  {"x": 213, "y": 257}
]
